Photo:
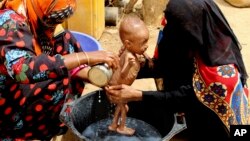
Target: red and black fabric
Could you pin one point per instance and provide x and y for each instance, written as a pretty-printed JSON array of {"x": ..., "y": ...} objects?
[
  {"x": 32, "y": 87},
  {"x": 220, "y": 89}
]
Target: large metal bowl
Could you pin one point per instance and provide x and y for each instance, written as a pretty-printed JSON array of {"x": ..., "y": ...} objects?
[{"x": 89, "y": 116}]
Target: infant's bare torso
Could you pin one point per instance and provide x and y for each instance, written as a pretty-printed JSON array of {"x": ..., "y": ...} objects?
[{"x": 123, "y": 75}]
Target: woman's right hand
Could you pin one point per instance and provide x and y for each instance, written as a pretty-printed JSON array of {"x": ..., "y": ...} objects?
[
  {"x": 74, "y": 60},
  {"x": 103, "y": 56}
]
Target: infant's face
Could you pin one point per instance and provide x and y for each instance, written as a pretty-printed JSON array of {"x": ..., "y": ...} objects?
[{"x": 139, "y": 42}]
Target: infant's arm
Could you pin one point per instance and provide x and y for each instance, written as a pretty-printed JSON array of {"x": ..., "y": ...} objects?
[{"x": 129, "y": 63}]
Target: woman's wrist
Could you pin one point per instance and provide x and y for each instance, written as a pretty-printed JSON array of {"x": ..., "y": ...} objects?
[
  {"x": 84, "y": 58},
  {"x": 137, "y": 95},
  {"x": 75, "y": 60}
]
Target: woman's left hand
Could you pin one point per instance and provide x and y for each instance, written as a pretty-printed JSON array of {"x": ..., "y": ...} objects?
[{"x": 123, "y": 93}]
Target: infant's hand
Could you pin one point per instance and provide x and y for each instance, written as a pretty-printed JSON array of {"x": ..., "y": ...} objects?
[
  {"x": 150, "y": 63},
  {"x": 131, "y": 61},
  {"x": 141, "y": 60}
]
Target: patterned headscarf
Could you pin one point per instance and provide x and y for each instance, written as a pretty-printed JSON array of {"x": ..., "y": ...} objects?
[{"x": 43, "y": 15}]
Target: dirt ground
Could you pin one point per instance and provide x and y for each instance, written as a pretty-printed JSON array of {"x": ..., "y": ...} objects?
[{"x": 238, "y": 18}]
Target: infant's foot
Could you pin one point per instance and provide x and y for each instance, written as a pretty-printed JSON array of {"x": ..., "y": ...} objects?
[
  {"x": 125, "y": 131},
  {"x": 112, "y": 127}
]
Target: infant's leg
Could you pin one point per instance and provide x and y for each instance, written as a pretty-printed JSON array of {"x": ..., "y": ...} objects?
[
  {"x": 127, "y": 108},
  {"x": 114, "y": 124},
  {"x": 122, "y": 129}
]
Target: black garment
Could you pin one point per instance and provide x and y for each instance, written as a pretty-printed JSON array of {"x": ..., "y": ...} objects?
[
  {"x": 197, "y": 28},
  {"x": 194, "y": 28},
  {"x": 202, "y": 123}
]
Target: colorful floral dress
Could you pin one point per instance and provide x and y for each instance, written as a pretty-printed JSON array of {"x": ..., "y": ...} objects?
[
  {"x": 32, "y": 87},
  {"x": 221, "y": 90}
]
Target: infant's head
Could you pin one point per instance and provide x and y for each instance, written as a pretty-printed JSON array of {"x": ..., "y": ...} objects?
[{"x": 134, "y": 34}]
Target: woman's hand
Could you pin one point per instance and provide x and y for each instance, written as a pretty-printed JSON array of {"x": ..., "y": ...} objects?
[
  {"x": 74, "y": 60},
  {"x": 123, "y": 94},
  {"x": 103, "y": 56}
]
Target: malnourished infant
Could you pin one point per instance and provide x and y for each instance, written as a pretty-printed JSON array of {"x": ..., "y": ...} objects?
[{"x": 134, "y": 36}]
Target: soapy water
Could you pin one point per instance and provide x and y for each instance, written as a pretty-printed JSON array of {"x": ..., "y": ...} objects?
[{"x": 98, "y": 131}]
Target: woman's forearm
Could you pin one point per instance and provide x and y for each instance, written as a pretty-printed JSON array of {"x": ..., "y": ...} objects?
[
  {"x": 176, "y": 99},
  {"x": 147, "y": 72},
  {"x": 74, "y": 60},
  {"x": 137, "y": 95}
]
